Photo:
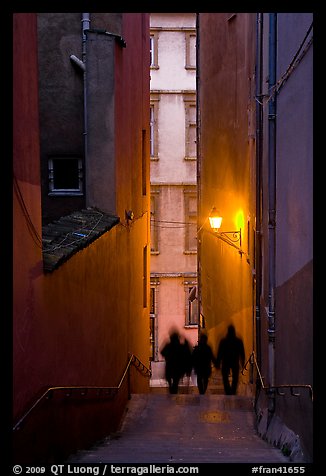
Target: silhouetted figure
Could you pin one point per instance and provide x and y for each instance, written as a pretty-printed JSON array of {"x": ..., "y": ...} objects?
[
  {"x": 229, "y": 356},
  {"x": 202, "y": 360},
  {"x": 174, "y": 353},
  {"x": 187, "y": 358}
]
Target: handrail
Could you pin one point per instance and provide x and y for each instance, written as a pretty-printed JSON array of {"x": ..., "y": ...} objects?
[
  {"x": 133, "y": 359},
  {"x": 252, "y": 360},
  {"x": 109, "y": 390}
]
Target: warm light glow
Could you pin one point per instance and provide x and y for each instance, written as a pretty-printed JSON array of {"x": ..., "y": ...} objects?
[
  {"x": 239, "y": 220},
  {"x": 230, "y": 237},
  {"x": 215, "y": 220}
]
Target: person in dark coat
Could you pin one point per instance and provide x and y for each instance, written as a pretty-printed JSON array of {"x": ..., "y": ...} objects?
[
  {"x": 230, "y": 355},
  {"x": 187, "y": 358},
  {"x": 174, "y": 355},
  {"x": 202, "y": 360}
]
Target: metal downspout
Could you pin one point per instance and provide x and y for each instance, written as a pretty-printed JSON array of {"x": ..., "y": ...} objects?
[
  {"x": 259, "y": 142},
  {"x": 272, "y": 206},
  {"x": 85, "y": 26}
]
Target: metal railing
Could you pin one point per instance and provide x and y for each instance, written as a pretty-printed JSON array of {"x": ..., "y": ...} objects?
[
  {"x": 83, "y": 391},
  {"x": 278, "y": 388}
]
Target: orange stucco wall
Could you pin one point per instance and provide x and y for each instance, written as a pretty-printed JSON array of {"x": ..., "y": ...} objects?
[{"x": 226, "y": 102}]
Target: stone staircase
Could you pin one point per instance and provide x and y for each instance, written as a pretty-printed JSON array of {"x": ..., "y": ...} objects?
[{"x": 184, "y": 428}]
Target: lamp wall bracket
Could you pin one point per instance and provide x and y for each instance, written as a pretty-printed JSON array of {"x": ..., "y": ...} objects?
[{"x": 231, "y": 238}]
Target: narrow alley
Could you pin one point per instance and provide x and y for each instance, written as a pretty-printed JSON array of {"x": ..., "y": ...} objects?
[{"x": 162, "y": 185}]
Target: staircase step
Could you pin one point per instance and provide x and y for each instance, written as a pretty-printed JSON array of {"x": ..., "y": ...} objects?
[{"x": 163, "y": 428}]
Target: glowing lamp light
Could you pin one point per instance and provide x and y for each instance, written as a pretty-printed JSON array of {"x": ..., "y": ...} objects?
[
  {"x": 215, "y": 219},
  {"x": 229, "y": 237}
]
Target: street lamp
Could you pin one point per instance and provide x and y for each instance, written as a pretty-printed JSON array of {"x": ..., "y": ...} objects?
[
  {"x": 215, "y": 219},
  {"x": 229, "y": 237}
]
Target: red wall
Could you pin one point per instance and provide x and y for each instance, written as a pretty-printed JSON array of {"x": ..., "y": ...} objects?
[
  {"x": 76, "y": 326},
  {"x": 131, "y": 120},
  {"x": 27, "y": 259}
]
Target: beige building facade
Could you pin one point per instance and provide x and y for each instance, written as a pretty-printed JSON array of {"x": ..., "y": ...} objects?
[{"x": 173, "y": 177}]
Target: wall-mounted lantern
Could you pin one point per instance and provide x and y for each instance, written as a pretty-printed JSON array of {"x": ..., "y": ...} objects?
[{"x": 230, "y": 237}]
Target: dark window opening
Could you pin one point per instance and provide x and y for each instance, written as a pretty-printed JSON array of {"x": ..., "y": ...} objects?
[{"x": 65, "y": 176}]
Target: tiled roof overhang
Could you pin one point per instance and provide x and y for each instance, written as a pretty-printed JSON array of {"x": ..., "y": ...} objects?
[{"x": 70, "y": 234}]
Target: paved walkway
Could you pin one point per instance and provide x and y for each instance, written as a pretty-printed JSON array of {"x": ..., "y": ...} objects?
[{"x": 184, "y": 428}]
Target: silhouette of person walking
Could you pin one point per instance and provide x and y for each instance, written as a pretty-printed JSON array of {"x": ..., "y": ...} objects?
[
  {"x": 229, "y": 355},
  {"x": 187, "y": 358},
  {"x": 202, "y": 360},
  {"x": 175, "y": 365}
]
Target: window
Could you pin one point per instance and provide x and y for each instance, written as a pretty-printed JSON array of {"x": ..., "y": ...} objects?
[
  {"x": 152, "y": 307},
  {"x": 152, "y": 332},
  {"x": 151, "y": 51},
  {"x": 65, "y": 176},
  {"x": 154, "y": 221},
  {"x": 154, "y": 288},
  {"x": 153, "y": 138},
  {"x": 190, "y": 125},
  {"x": 191, "y": 305},
  {"x": 154, "y": 50},
  {"x": 190, "y": 197},
  {"x": 190, "y": 50}
]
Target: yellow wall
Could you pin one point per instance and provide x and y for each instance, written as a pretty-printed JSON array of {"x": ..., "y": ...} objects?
[{"x": 226, "y": 102}]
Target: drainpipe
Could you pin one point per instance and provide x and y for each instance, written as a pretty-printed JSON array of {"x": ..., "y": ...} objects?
[
  {"x": 272, "y": 206},
  {"x": 81, "y": 64},
  {"x": 259, "y": 151},
  {"x": 85, "y": 26}
]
